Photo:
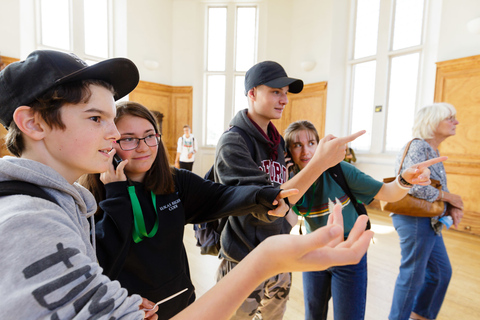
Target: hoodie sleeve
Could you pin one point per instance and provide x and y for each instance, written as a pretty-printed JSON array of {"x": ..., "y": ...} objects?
[
  {"x": 179, "y": 145},
  {"x": 113, "y": 231},
  {"x": 48, "y": 267},
  {"x": 205, "y": 200},
  {"x": 234, "y": 166}
]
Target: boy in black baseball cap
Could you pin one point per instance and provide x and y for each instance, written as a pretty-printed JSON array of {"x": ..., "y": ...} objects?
[
  {"x": 271, "y": 74},
  {"x": 266, "y": 87}
]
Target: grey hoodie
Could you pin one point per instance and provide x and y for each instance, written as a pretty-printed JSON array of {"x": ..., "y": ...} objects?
[
  {"x": 234, "y": 165},
  {"x": 49, "y": 268}
]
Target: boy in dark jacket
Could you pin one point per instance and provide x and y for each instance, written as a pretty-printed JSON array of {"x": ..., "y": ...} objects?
[{"x": 266, "y": 87}]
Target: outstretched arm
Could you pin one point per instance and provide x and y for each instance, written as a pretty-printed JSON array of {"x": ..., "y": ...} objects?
[
  {"x": 318, "y": 250},
  {"x": 330, "y": 151},
  {"x": 416, "y": 174}
]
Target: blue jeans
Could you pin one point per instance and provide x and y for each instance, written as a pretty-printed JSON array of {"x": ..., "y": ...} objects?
[
  {"x": 346, "y": 284},
  {"x": 425, "y": 269}
]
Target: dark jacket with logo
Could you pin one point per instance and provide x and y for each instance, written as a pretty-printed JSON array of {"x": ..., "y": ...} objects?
[
  {"x": 157, "y": 267},
  {"x": 235, "y": 166}
]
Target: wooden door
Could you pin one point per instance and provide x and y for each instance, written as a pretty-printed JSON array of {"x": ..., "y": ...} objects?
[
  {"x": 458, "y": 83},
  {"x": 174, "y": 103},
  {"x": 4, "y": 61},
  {"x": 310, "y": 104}
]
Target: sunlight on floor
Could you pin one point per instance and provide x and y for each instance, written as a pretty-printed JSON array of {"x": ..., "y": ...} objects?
[
  {"x": 382, "y": 229},
  {"x": 376, "y": 228}
]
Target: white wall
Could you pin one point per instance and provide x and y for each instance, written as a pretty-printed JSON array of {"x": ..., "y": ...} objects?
[
  {"x": 10, "y": 28},
  {"x": 311, "y": 33},
  {"x": 149, "y": 36},
  {"x": 455, "y": 41}
]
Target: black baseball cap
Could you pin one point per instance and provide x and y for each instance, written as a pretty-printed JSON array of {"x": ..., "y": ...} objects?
[
  {"x": 271, "y": 74},
  {"x": 24, "y": 81}
]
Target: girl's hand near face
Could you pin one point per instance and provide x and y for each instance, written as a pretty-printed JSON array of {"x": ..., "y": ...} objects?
[{"x": 112, "y": 175}]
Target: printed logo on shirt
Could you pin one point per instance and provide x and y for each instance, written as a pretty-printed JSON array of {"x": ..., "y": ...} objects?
[
  {"x": 61, "y": 290},
  {"x": 187, "y": 143},
  {"x": 277, "y": 171},
  {"x": 170, "y": 206}
]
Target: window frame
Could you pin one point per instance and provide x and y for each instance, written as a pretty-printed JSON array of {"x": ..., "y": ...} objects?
[
  {"x": 76, "y": 30},
  {"x": 230, "y": 71},
  {"x": 383, "y": 58}
]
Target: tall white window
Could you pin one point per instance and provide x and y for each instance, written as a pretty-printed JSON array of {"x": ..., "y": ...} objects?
[
  {"x": 231, "y": 40},
  {"x": 79, "y": 26},
  {"x": 386, "y": 51}
]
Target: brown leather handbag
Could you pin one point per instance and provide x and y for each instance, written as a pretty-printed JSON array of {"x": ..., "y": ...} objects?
[{"x": 410, "y": 205}]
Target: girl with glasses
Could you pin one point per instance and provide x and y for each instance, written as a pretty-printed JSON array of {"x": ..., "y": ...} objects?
[{"x": 144, "y": 205}]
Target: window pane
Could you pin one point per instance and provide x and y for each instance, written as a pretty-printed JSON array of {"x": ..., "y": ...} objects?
[
  {"x": 55, "y": 23},
  {"x": 240, "y": 98},
  {"x": 408, "y": 23},
  {"x": 401, "y": 101},
  {"x": 246, "y": 38},
  {"x": 363, "y": 103},
  {"x": 215, "y": 108},
  {"x": 366, "y": 29},
  {"x": 96, "y": 28},
  {"x": 217, "y": 37}
]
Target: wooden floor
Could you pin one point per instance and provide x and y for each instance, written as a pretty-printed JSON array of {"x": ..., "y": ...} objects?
[{"x": 463, "y": 297}]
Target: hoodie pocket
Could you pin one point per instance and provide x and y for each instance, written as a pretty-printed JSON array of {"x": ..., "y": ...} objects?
[{"x": 169, "y": 308}]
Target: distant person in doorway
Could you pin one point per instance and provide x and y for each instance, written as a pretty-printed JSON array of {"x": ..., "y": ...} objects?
[{"x": 186, "y": 149}]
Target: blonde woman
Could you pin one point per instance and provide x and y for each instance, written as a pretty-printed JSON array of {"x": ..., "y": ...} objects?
[{"x": 425, "y": 269}]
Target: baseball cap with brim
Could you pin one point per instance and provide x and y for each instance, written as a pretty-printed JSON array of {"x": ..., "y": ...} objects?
[
  {"x": 271, "y": 74},
  {"x": 23, "y": 82}
]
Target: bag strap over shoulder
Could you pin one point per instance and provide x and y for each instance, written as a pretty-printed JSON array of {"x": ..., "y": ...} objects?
[
  {"x": 336, "y": 173},
  {"x": 13, "y": 187},
  {"x": 404, "y": 154}
]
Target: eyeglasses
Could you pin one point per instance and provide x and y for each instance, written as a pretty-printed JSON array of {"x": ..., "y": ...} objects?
[
  {"x": 451, "y": 118},
  {"x": 127, "y": 144}
]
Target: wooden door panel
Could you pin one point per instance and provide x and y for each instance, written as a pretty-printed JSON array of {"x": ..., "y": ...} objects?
[
  {"x": 175, "y": 103},
  {"x": 458, "y": 83},
  {"x": 310, "y": 104}
]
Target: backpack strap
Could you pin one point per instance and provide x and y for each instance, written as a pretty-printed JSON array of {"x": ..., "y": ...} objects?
[
  {"x": 13, "y": 187},
  {"x": 336, "y": 173}
]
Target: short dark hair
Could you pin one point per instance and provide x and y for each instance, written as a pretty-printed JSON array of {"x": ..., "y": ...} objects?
[{"x": 49, "y": 105}]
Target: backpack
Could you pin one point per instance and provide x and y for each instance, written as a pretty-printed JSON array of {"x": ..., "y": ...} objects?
[
  {"x": 208, "y": 233},
  {"x": 337, "y": 174},
  {"x": 12, "y": 187}
]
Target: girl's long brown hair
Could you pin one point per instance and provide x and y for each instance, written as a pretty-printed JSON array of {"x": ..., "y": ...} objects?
[{"x": 159, "y": 178}]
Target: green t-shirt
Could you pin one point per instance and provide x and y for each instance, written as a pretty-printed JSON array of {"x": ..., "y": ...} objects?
[{"x": 363, "y": 187}]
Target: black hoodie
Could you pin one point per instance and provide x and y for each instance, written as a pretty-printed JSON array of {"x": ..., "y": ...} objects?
[
  {"x": 234, "y": 165},
  {"x": 157, "y": 267}
]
